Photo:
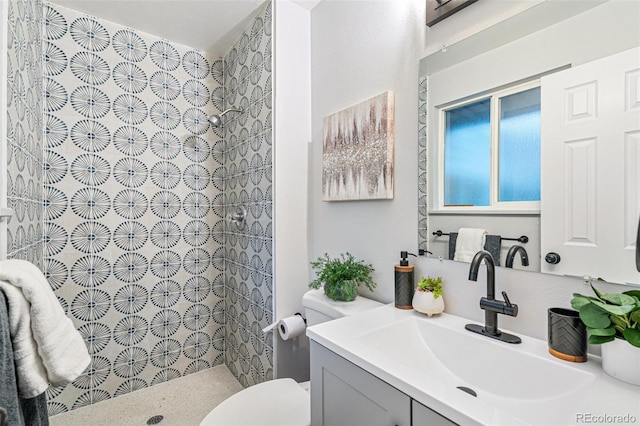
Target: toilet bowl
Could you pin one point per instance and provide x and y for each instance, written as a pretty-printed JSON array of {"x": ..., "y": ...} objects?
[{"x": 283, "y": 402}]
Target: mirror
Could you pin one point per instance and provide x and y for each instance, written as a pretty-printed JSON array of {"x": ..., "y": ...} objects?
[{"x": 545, "y": 39}]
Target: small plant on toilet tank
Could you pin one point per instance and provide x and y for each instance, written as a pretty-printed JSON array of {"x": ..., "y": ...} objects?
[
  {"x": 341, "y": 276},
  {"x": 428, "y": 296}
]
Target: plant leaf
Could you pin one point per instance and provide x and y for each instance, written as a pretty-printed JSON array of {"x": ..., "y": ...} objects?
[
  {"x": 635, "y": 316},
  {"x": 598, "y": 340},
  {"x": 635, "y": 293},
  {"x": 594, "y": 317},
  {"x": 632, "y": 335},
  {"x": 334, "y": 271},
  {"x": 618, "y": 321},
  {"x": 619, "y": 299},
  {"x": 614, "y": 309},
  {"x": 580, "y": 300},
  {"x": 609, "y": 331},
  {"x": 596, "y": 291}
]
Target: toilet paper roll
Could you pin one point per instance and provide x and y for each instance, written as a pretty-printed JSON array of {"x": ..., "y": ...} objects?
[{"x": 291, "y": 327}]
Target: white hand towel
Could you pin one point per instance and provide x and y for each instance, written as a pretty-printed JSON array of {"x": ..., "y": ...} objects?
[
  {"x": 469, "y": 242},
  {"x": 47, "y": 347}
]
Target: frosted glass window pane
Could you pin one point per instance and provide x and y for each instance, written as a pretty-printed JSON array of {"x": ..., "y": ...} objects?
[
  {"x": 467, "y": 156},
  {"x": 519, "y": 152}
]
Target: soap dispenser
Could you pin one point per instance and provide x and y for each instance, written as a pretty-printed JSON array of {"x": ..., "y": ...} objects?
[{"x": 404, "y": 282}]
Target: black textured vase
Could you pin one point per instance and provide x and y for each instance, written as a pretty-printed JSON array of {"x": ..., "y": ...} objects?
[{"x": 567, "y": 335}]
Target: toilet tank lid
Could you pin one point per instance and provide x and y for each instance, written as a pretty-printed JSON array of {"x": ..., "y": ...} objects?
[{"x": 318, "y": 301}]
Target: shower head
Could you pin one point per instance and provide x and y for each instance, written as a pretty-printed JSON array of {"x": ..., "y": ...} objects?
[{"x": 216, "y": 119}]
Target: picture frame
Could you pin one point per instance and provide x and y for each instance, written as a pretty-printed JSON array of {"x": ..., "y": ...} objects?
[
  {"x": 437, "y": 10},
  {"x": 357, "y": 151}
]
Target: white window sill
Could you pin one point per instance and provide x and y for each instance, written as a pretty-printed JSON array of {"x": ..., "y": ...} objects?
[{"x": 486, "y": 212}]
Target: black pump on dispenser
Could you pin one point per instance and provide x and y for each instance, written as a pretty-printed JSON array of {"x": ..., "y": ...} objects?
[{"x": 404, "y": 282}]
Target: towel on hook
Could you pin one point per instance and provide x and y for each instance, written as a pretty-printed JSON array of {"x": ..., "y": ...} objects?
[
  {"x": 47, "y": 347},
  {"x": 469, "y": 242},
  {"x": 493, "y": 245}
]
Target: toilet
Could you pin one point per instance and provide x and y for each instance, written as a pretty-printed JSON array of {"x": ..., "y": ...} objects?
[{"x": 283, "y": 402}]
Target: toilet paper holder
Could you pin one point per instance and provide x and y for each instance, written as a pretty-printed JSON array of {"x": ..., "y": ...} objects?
[{"x": 282, "y": 327}]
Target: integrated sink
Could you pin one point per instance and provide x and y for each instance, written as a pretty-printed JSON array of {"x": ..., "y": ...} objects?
[{"x": 520, "y": 380}]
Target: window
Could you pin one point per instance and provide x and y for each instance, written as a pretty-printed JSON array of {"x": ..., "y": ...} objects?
[{"x": 491, "y": 151}]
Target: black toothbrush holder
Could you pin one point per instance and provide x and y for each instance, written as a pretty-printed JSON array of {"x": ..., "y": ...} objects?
[{"x": 567, "y": 335}]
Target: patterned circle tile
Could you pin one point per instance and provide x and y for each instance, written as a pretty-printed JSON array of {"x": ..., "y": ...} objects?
[
  {"x": 130, "y": 330},
  {"x": 130, "y": 235},
  {"x": 130, "y": 299},
  {"x": 89, "y": 34},
  {"x": 166, "y": 353},
  {"x": 55, "y": 25},
  {"x": 90, "y": 305},
  {"x": 90, "y": 271},
  {"x": 129, "y": 45},
  {"x": 130, "y": 77},
  {"x": 164, "y": 55},
  {"x": 195, "y": 64},
  {"x": 90, "y": 68}
]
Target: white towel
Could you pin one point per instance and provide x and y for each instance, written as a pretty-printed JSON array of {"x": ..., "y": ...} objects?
[
  {"x": 469, "y": 242},
  {"x": 47, "y": 347}
]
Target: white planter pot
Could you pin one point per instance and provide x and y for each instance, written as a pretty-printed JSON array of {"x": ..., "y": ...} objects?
[
  {"x": 423, "y": 301},
  {"x": 622, "y": 361}
]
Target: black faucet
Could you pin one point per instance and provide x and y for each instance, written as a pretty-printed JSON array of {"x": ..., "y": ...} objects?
[
  {"x": 489, "y": 304},
  {"x": 511, "y": 254}
]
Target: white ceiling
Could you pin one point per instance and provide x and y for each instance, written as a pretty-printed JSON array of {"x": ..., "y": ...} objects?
[{"x": 208, "y": 25}]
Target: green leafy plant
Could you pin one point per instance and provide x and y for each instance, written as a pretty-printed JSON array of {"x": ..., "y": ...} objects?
[
  {"x": 434, "y": 285},
  {"x": 341, "y": 276},
  {"x": 610, "y": 316}
]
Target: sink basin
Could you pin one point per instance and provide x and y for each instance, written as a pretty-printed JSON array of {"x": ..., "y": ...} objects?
[{"x": 521, "y": 380}]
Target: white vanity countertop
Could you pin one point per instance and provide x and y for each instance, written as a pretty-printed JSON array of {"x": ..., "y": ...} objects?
[{"x": 599, "y": 400}]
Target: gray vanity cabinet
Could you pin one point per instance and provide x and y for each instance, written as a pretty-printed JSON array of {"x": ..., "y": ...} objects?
[
  {"x": 344, "y": 394},
  {"x": 422, "y": 415}
]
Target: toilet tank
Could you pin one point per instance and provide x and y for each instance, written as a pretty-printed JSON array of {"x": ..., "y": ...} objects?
[{"x": 319, "y": 308}]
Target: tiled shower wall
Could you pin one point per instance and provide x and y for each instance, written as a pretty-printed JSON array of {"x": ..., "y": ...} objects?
[
  {"x": 423, "y": 235},
  {"x": 133, "y": 193},
  {"x": 248, "y": 185},
  {"x": 24, "y": 130}
]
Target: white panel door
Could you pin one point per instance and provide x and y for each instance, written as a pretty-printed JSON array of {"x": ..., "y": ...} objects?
[{"x": 590, "y": 187}]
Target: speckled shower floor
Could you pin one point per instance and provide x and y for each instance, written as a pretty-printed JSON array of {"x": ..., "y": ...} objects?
[{"x": 182, "y": 402}]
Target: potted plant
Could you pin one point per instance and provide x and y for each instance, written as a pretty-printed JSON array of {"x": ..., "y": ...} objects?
[
  {"x": 428, "y": 296},
  {"x": 341, "y": 276},
  {"x": 614, "y": 319}
]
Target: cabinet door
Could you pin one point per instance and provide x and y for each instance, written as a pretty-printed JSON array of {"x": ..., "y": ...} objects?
[
  {"x": 425, "y": 416},
  {"x": 591, "y": 179},
  {"x": 344, "y": 394}
]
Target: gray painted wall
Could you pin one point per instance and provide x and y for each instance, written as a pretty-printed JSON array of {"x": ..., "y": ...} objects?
[{"x": 359, "y": 50}]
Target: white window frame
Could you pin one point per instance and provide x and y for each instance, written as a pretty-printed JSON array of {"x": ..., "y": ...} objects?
[{"x": 495, "y": 207}]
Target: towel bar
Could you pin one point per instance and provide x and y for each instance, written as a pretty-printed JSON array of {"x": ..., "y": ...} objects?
[{"x": 523, "y": 239}]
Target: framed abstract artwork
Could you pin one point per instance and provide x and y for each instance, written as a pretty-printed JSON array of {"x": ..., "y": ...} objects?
[{"x": 357, "y": 151}]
